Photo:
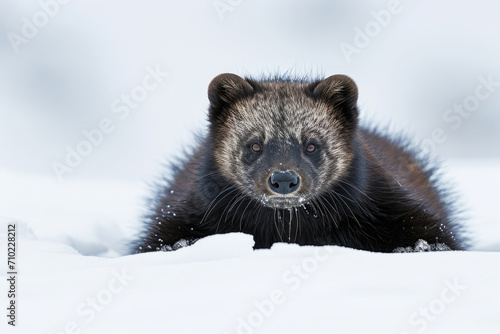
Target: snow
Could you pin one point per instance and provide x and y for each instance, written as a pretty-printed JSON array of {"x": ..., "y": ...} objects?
[{"x": 221, "y": 285}]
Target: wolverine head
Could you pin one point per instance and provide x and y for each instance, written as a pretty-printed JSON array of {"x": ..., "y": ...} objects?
[{"x": 282, "y": 142}]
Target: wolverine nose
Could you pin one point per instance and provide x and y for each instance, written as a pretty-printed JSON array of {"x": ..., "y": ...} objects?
[{"x": 284, "y": 182}]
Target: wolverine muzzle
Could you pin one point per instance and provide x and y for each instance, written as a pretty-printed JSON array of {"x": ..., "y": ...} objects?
[{"x": 284, "y": 182}]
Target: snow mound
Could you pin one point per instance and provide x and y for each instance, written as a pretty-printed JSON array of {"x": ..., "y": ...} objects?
[{"x": 220, "y": 285}]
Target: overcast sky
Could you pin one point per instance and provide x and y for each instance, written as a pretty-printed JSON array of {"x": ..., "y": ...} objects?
[{"x": 137, "y": 73}]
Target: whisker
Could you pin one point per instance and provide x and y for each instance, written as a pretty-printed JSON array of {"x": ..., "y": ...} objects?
[
  {"x": 259, "y": 212},
  {"x": 328, "y": 202},
  {"x": 348, "y": 207},
  {"x": 297, "y": 228},
  {"x": 243, "y": 214},
  {"x": 201, "y": 177},
  {"x": 364, "y": 209},
  {"x": 356, "y": 188},
  {"x": 226, "y": 212},
  {"x": 213, "y": 204},
  {"x": 317, "y": 208},
  {"x": 276, "y": 224}
]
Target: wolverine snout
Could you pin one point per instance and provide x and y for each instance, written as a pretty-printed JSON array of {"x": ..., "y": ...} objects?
[{"x": 284, "y": 182}]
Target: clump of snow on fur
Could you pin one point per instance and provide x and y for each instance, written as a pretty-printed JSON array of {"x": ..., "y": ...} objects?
[
  {"x": 422, "y": 246},
  {"x": 179, "y": 244}
]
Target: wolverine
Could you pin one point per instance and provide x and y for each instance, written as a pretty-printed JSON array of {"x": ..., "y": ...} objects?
[{"x": 286, "y": 160}]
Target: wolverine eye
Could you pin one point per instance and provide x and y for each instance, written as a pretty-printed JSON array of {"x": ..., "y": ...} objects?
[
  {"x": 310, "y": 148},
  {"x": 256, "y": 147}
]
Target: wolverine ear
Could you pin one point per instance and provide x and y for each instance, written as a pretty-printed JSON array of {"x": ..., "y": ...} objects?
[
  {"x": 339, "y": 91},
  {"x": 226, "y": 89}
]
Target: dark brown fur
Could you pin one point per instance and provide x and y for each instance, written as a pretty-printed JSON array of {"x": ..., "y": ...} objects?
[{"x": 358, "y": 188}]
